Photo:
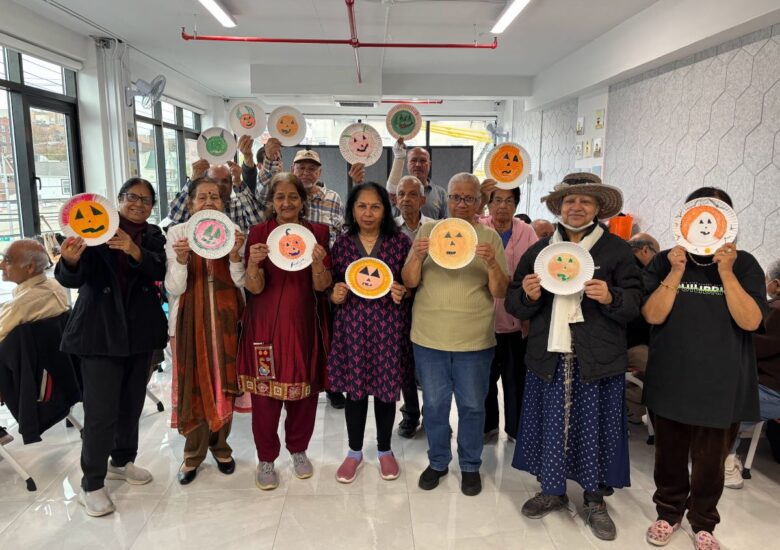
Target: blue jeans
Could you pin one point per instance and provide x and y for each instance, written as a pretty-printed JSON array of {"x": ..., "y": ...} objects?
[
  {"x": 465, "y": 374},
  {"x": 769, "y": 409}
]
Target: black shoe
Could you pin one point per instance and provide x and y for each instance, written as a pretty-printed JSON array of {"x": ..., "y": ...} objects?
[
  {"x": 429, "y": 479},
  {"x": 336, "y": 400},
  {"x": 599, "y": 521},
  {"x": 185, "y": 478},
  {"x": 407, "y": 428},
  {"x": 470, "y": 484},
  {"x": 227, "y": 468},
  {"x": 541, "y": 505}
]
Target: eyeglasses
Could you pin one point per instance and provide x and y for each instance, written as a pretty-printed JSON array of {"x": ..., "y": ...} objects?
[
  {"x": 132, "y": 197},
  {"x": 468, "y": 200},
  {"x": 499, "y": 202}
]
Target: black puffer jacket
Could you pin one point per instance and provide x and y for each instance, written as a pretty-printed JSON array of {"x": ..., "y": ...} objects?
[{"x": 600, "y": 341}]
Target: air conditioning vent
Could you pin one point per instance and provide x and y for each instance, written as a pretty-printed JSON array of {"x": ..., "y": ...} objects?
[{"x": 362, "y": 104}]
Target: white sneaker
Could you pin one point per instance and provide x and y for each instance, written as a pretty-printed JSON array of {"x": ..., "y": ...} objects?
[
  {"x": 97, "y": 503},
  {"x": 733, "y": 477},
  {"x": 129, "y": 473}
]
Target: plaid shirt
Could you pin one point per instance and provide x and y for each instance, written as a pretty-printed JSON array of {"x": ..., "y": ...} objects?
[{"x": 243, "y": 209}]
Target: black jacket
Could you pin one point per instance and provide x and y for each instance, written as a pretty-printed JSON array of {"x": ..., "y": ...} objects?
[
  {"x": 600, "y": 341},
  {"x": 104, "y": 322}
]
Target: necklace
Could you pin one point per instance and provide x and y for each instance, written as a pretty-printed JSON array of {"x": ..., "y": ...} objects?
[{"x": 690, "y": 257}]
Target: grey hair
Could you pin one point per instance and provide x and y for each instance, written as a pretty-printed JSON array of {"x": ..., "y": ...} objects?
[
  {"x": 32, "y": 252},
  {"x": 414, "y": 180},
  {"x": 773, "y": 271},
  {"x": 465, "y": 176}
]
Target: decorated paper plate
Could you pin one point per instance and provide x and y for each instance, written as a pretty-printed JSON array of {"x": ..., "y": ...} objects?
[
  {"x": 291, "y": 246},
  {"x": 369, "y": 278},
  {"x": 508, "y": 163},
  {"x": 360, "y": 143},
  {"x": 211, "y": 234},
  {"x": 704, "y": 225},
  {"x": 288, "y": 125},
  {"x": 453, "y": 243},
  {"x": 216, "y": 145},
  {"x": 89, "y": 216},
  {"x": 564, "y": 268},
  {"x": 247, "y": 119},
  {"x": 403, "y": 121}
]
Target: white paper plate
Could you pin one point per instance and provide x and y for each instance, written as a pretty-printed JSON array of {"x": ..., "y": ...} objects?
[
  {"x": 508, "y": 163},
  {"x": 704, "y": 225},
  {"x": 360, "y": 143},
  {"x": 216, "y": 145},
  {"x": 453, "y": 243},
  {"x": 288, "y": 125},
  {"x": 89, "y": 216},
  {"x": 291, "y": 246},
  {"x": 369, "y": 278},
  {"x": 247, "y": 119},
  {"x": 211, "y": 234},
  {"x": 564, "y": 268},
  {"x": 403, "y": 121}
]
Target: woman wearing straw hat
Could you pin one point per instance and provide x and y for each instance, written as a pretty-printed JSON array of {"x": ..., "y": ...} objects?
[{"x": 573, "y": 422}]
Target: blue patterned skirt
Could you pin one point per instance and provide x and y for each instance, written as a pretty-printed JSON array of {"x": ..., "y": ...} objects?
[{"x": 588, "y": 444}]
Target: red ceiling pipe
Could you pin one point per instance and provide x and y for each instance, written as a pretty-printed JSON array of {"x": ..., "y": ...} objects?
[
  {"x": 415, "y": 101},
  {"x": 353, "y": 36}
]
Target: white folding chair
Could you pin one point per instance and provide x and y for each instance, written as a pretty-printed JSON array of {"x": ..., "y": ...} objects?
[
  {"x": 6, "y": 455},
  {"x": 631, "y": 377},
  {"x": 755, "y": 436}
]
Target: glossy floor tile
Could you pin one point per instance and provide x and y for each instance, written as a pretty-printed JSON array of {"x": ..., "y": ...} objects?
[{"x": 226, "y": 512}]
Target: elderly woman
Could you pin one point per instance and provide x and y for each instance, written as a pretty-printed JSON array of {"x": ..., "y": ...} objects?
[
  {"x": 701, "y": 375},
  {"x": 205, "y": 303},
  {"x": 453, "y": 337},
  {"x": 573, "y": 423},
  {"x": 286, "y": 317},
  {"x": 370, "y": 354},
  {"x": 116, "y": 323}
]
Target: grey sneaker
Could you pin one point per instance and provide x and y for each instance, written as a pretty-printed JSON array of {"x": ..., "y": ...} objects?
[
  {"x": 129, "y": 473},
  {"x": 599, "y": 521},
  {"x": 541, "y": 505},
  {"x": 97, "y": 503},
  {"x": 302, "y": 465},
  {"x": 266, "y": 477}
]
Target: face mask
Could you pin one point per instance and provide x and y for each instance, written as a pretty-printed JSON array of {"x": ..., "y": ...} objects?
[{"x": 576, "y": 229}]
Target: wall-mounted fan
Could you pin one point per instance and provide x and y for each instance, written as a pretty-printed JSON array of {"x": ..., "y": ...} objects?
[
  {"x": 497, "y": 132},
  {"x": 151, "y": 91}
]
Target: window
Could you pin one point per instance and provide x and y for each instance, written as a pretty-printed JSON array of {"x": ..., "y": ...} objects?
[
  {"x": 10, "y": 218},
  {"x": 464, "y": 132},
  {"x": 188, "y": 118},
  {"x": 42, "y": 74},
  {"x": 2, "y": 64},
  {"x": 190, "y": 154},
  {"x": 141, "y": 109},
  {"x": 65, "y": 185},
  {"x": 168, "y": 112},
  {"x": 172, "y": 180}
]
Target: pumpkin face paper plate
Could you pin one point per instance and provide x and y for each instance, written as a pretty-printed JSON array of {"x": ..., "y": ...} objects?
[
  {"x": 360, "y": 143},
  {"x": 508, "y": 164},
  {"x": 291, "y": 246},
  {"x": 287, "y": 125},
  {"x": 247, "y": 119},
  {"x": 369, "y": 278},
  {"x": 704, "y": 225},
  {"x": 89, "y": 216},
  {"x": 211, "y": 234},
  {"x": 216, "y": 145},
  {"x": 564, "y": 268},
  {"x": 403, "y": 121},
  {"x": 452, "y": 243}
]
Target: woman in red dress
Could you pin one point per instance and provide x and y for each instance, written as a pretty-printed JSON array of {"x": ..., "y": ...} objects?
[{"x": 285, "y": 337}]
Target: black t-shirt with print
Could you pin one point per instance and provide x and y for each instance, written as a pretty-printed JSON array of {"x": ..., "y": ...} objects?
[{"x": 702, "y": 367}]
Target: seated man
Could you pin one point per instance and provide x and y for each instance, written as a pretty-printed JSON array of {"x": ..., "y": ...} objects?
[{"x": 36, "y": 296}]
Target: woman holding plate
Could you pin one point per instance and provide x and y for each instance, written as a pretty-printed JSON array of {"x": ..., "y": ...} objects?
[
  {"x": 285, "y": 337},
  {"x": 701, "y": 377},
  {"x": 371, "y": 351},
  {"x": 573, "y": 422}
]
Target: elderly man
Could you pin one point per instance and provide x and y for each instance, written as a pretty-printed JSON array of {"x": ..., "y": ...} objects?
[
  {"x": 543, "y": 228},
  {"x": 418, "y": 163},
  {"x": 36, "y": 296}
]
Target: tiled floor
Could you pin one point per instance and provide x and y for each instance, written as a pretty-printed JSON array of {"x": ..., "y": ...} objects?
[{"x": 225, "y": 512}]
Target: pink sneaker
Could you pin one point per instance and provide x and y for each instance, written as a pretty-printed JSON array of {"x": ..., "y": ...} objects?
[
  {"x": 660, "y": 532},
  {"x": 348, "y": 470},
  {"x": 704, "y": 540},
  {"x": 388, "y": 467}
]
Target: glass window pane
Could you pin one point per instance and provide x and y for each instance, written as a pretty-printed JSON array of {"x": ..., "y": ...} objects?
[
  {"x": 465, "y": 132},
  {"x": 172, "y": 183},
  {"x": 190, "y": 154},
  {"x": 147, "y": 161},
  {"x": 168, "y": 112},
  {"x": 10, "y": 217},
  {"x": 188, "y": 118},
  {"x": 2, "y": 63},
  {"x": 42, "y": 74},
  {"x": 52, "y": 165},
  {"x": 140, "y": 109}
]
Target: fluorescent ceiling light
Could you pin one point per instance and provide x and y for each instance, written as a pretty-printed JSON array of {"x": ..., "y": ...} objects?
[
  {"x": 507, "y": 16},
  {"x": 218, "y": 11}
]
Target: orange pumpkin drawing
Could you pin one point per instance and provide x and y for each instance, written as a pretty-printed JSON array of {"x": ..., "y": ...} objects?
[
  {"x": 287, "y": 125},
  {"x": 564, "y": 267},
  {"x": 506, "y": 164},
  {"x": 291, "y": 246},
  {"x": 703, "y": 225},
  {"x": 88, "y": 219},
  {"x": 369, "y": 278},
  {"x": 453, "y": 243}
]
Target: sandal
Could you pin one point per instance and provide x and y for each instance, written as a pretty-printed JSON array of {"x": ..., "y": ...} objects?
[
  {"x": 660, "y": 532},
  {"x": 704, "y": 540}
]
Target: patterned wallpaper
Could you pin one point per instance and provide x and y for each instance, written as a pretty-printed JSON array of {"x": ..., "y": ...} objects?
[{"x": 710, "y": 119}]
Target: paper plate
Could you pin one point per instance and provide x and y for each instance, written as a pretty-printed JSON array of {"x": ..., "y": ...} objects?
[
  {"x": 291, "y": 246},
  {"x": 247, "y": 119},
  {"x": 403, "y": 121},
  {"x": 453, "y": 243},
  {"x": 564, "y": 268},
  {"x": 89, "y": 216},
  {"x": 369, "y": 278},
  {"x": 288, "y": 125},
  {"x": 216, "y": 145},
  {"x": 360, "y": 143},
  {"x": 211, "y": 234},
  {"x": 704, "y": 225},
  {"x": 508, "y": 163}
]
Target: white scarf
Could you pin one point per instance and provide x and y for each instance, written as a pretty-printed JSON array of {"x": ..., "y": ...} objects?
[{"x": 567, "y": 309}]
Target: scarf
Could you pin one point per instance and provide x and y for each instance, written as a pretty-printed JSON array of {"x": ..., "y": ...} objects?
[
  {"x": 206, "y": 345},
  {"x": 568, "y": 309},
  {"x": 136, "y": 231}
]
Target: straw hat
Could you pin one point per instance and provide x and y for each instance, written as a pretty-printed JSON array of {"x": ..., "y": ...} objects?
[{"x": 610, "y": 198}]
